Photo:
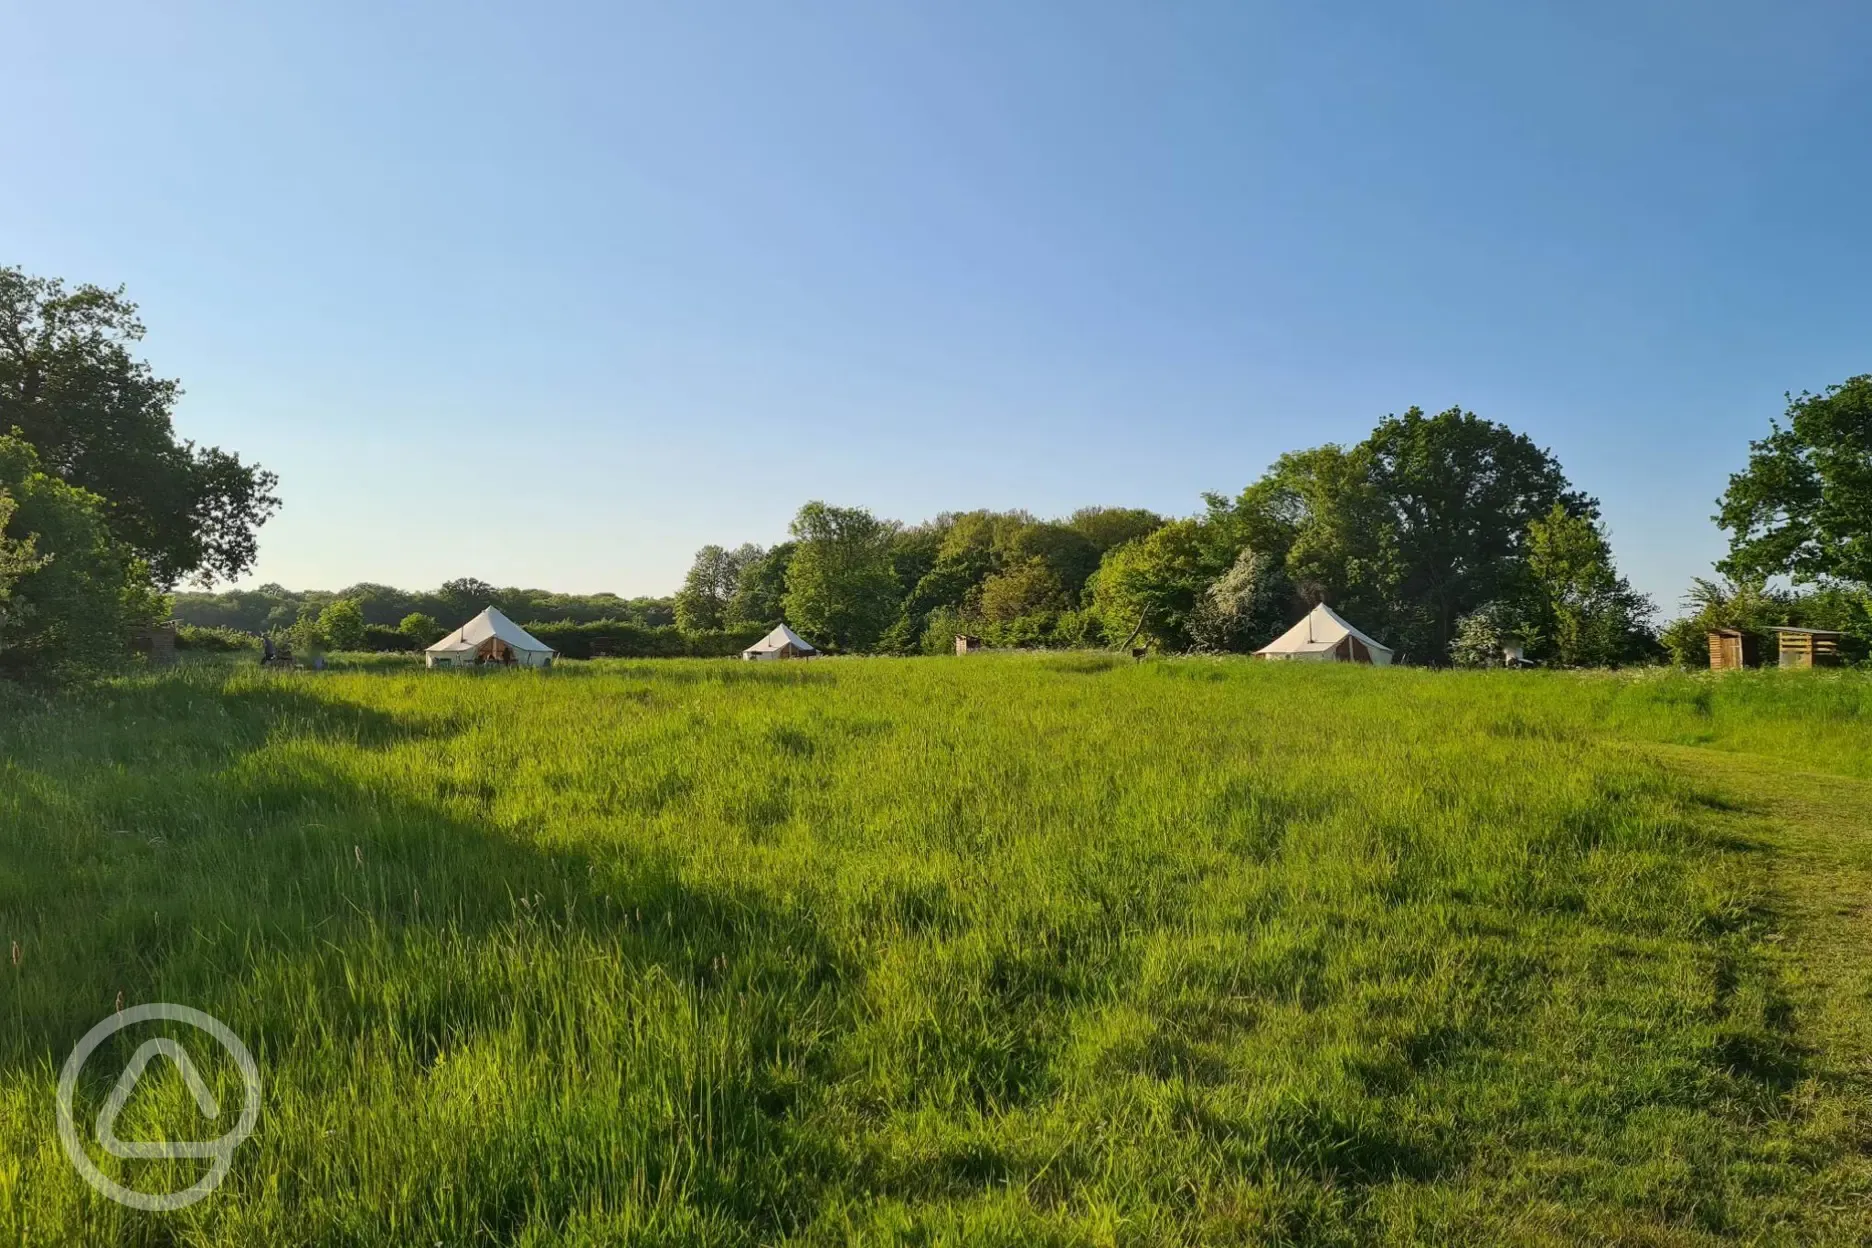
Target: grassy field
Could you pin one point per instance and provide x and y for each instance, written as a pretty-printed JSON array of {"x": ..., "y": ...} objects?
[{"x": 991, "y": 951}]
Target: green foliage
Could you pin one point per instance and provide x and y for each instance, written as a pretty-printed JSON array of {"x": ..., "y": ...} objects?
[
  {"x": 214, "y": 640},
  {"x": 73, "y": 592},
  {"x": 1462, "y": 494},
  {"x": 1319, "y": 514},
  {"x": 842, "y": 591},
  {"x": 102, "y": 421},
  {"x": 1424, "y": 522},
  {"x": 1027, "y": 588},
  {"x": 1589, "y": 615},
  {"x": 381, "y": 640},
  {"x": 305, "y": 636},
  {"x": 18, "y": 556},
  {"x": 274, "y": 608},
  {"x": 1482, "y": 636},
  {"x": 341, "y": 624},
  {"x": 1245, "y": 608},
  {"x": 1050, "y": 950},
  {"x": 1067, "y": 554},
  {"x": 1108, "y": 528},
  {"x": 702, "y": 604},
  {"x": 942, "y": 626},
  {"x": 1152, "y": 586},
  {"x": 466, "y": 597},
  {"x": 760, "y": 592},
  {"x": 624, "y": 639},
  {"x": 421, "y": 630},
  {"x": 1803, "y": 506},
  {"x": 1754, "y": 606}
]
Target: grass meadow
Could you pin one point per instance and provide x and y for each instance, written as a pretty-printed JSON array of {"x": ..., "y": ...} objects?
[{"x": 999, "y": 951}]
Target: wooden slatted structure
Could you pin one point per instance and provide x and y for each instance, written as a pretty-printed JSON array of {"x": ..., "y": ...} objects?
[
  {"x": 156, "y": 643},
  {"x": 1731, "y": 649},
  {"x": 1808, "y": 647}
]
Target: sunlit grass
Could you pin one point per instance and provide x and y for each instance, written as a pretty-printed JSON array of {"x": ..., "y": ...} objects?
[{"x": 997, "y": 950}]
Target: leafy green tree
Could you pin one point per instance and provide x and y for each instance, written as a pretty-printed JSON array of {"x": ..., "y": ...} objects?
[
  {"x": 1150, "y": 587},
  {"x": 1318, "y": 515},
  {"x": 940, "y": 629},
  {"x": 465, "y": 597},
  {"x": 341, "y": 624},
  {"x": 1803, "y": 506},
  {"x": 1110, "y": 527},
  {"x": 102, "y": 421},
  {"x": 1069, "y": 555},
  {"x": 422, "y": 630},
  {"x": 915, "y": 550},
  {"x": 1027, "y": 588},
  {"x": 1462, "y": 493},
  {"x": 760, "y": 591},
  {"x": 702, "y": 602},
  {"x": 842, "y": 590},
  {"x": 305, "y": 636},
  {"x": 1589, "y": 614},
  {"x": 75, "y": 591},
  {"x": 18, "y": 556},
  {"x": 1245, "y": 608},
  {"x": 1484, "y": 635}
]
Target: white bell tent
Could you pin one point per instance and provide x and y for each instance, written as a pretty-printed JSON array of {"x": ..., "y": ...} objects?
[
  {"x": 782, "y": 643},
  {"x": 1323, "y": 637},
  {"x": 490, "y": 638}
]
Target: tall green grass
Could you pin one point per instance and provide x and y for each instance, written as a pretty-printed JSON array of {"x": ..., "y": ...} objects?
[{"x": 988, "y": 951}]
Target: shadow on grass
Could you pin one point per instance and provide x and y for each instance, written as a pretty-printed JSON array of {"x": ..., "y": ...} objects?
[{"x": 197, "y": 841}]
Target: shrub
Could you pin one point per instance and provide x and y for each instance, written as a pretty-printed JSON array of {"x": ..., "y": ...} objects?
[
  {"x": 624, "y": 640},
  {"x": 214, "y": 640}
]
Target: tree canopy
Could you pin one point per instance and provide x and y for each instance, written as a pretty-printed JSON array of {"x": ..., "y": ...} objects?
[
  {"x": 69, "y": 590},
  {"x": 1802, "y": 507},
  {"x": 1424, "y": 522},
  {"x": 101, "y": 420},
  {"x": 842, "y": 590},
  {"x": 703, "y": 602}
]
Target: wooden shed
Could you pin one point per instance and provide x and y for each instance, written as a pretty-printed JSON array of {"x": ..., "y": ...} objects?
[
  {"x": 156, "y": 643},
  {"x": 1808, "y": 647},
  {"x": 967, "y": 644},
  {"x": 1731, "y": 648}
]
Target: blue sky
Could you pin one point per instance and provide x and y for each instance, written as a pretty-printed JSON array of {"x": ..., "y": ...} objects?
[{"x": 554, "y": 294}]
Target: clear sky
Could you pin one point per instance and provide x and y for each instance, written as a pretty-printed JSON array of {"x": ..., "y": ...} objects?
[{"x": 553, "y": 294}]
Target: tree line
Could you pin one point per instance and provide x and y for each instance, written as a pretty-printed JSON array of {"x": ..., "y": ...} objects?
[
  {"x": 1446, "y": 536},
  {"x": 1449, "y": 537},
  {"x": 1442, "y": 535}
]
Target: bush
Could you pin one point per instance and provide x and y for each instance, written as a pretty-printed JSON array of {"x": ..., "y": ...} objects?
[
  {"x": 214, "y": 640},
  {"x": 73, "y": 592},
  {"x": 421, "y": 630},
  {"x": 381, "y": 640},
  {"x": 940, "y": 629},
  {"x": 622, "y": 639},
  {"x": 342, "y": 625}
]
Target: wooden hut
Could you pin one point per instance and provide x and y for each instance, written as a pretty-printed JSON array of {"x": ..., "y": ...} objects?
[
  {"x": 1731, "y": 649},
  {"x": 966, "y": 644},
  {"x": 1808, "y": 647},
  {"x": 157, "y": 643}
]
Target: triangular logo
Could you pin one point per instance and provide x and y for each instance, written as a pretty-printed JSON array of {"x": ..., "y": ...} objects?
[{"x": 126, "y": 1084}]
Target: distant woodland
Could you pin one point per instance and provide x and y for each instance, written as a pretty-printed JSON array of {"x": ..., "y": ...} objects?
[{"x": 1445, "y": 536}]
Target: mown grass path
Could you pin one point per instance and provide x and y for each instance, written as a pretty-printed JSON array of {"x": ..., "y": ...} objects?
[{"x": 1815, "y": 834}]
